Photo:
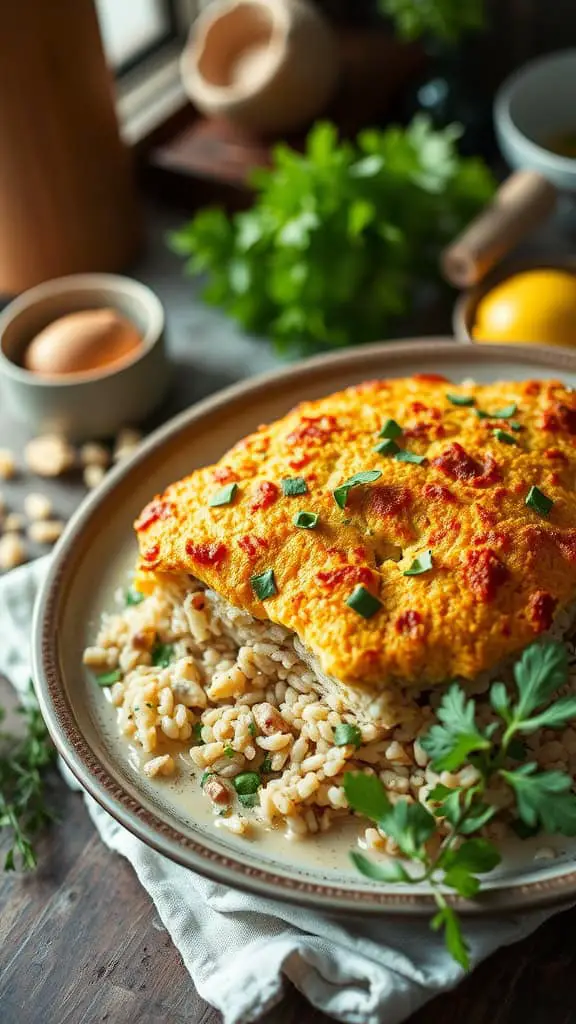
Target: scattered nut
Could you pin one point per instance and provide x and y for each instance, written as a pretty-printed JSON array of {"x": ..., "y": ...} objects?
[
  {"x": 12, "y": 551},
  {"x": 93, "y": 475},
  {"x": 2, "y": 503},
  {"x": 14, "y": 523},
  {"x": 37, "y": 506},
  {"x": 217, "y": 791},
  {"x": 126, "y": 443},
  {"x": 94, "y": 454},
  {"x": 163, "y": 765},
  {"x": 45, "y": 531},
  {"x": 7, "y": 464},
  {"x": 49, "y": 455}
]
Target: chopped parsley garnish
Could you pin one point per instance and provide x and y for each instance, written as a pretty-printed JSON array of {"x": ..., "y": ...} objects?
[
  {"x": 347, "y": 735},
  {"x": 341, "y": 493},
  {"x": 292, "y": 485},
  {"x": 499, "y": 414},
  {"x": 264, "y": 585},
  {"x": 162, "y": 655},
  {"x": 252, "y": 728},
  {"x": 246, "y": 782},
  {"x": 387, "y": 448},
  {"x": 133, "y": 597},
  {"x": 205, "y": 776},
  {"x": 197, "y": 733},
  {"x": 390, "y": 429},
  {"x": 363, "y": 602},
  {"x": 423, "y": 563},
  {"x": 224, "y": 496},
  {"x": 229, "y": 751},
  {"x": 515, "y": 425},
  {"x": 266, "y": 766},
  {"x": 461, "y": 399},
  {"x": 306, "y": 520},
  {"x": 248, "y": 799},
  {"x": 109, "y": 678},
  {"x": 540, "y": 502},
  {"x": 404, "y": 456},
  {"x": 503, "y": 437}
]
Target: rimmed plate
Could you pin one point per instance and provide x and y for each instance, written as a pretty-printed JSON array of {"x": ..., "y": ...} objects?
[{"x": 98, "y": 549}]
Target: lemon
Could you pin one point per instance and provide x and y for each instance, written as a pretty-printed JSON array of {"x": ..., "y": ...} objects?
[{"x": 537, "y": 306}]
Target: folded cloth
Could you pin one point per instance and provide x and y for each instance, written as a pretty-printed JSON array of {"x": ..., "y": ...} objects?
[{"x": 240, "y": 949}]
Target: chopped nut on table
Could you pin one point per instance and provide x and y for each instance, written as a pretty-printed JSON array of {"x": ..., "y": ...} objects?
[
  {"x": 37, "y": 506},
  {"x": 45, "y": 531},
  {"x": 94, "y": 454},
  {"x": 93, "y": 475},
  {"x": 49, "y": 455},
  {"x": 12, "y": 551},
  {"x": 13, "y": 523},
  {"x": 126, "y": 443},
  {"x": 7, "y": 464}
]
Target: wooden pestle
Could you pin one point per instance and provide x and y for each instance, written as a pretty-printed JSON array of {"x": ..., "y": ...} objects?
[{"x": 524, "y": 200}]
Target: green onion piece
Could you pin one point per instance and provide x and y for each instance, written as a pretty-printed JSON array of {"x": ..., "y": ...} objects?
[
  {"x": 368, "y": 476},
  {"x": 248, "y": 799},
  {"x": 162, "y": 655},
  {"x": 363, "y": 602},
  {"x": 224, "y": 496},
  {"x": 499, "y": 414},
  {"x": 264, "y": 585},
  {"x": 229, "y": 751},
  {"x": 390, "y": 429},
  {"x": 266, "y": 766},
  {"x": 306, "y": 520},
  {"x": 540, "y": 502},
  {"x": 345, "y": 735},
  {"x": 252, "y": 728},
  {"x": 461, "y": 399},
  {"x": 404, "y": 456},
  {"x": 387, "y": 448},
  {"x": 505, "y": 438},
  {"x": 246, "y": 782},
  {"x": 421, "y": 564},
  {"x": 292, "y": 485},
  {"x": 133, "y": 597},
  {"x": 109, "y": 678},
  {"x": 197, "y": 733},
  {"x": 205, "y": 776}
]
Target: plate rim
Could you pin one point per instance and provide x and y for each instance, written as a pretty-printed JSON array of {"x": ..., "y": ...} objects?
[{"x": 141, "y": 821}]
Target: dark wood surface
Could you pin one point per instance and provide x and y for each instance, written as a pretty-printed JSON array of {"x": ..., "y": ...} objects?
[{"x": 81, "y": 943}]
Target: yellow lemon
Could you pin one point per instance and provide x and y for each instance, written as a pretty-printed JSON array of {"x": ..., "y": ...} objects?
[{"x": 537, "y": 306}]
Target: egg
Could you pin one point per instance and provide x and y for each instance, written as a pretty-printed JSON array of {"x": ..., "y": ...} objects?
[{"x": 88, "y": 341}]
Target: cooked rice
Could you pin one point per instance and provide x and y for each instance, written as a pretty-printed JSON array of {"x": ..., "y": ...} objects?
[{"x": 237, "y": 696}]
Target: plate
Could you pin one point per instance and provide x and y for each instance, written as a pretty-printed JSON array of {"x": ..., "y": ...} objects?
[{"x": 98, "y": 548}]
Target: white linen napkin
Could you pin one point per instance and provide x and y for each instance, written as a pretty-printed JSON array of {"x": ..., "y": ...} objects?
[{"x": 238, "y": 948}]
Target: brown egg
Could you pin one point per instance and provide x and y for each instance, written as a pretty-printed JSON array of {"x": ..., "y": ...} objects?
[{"x": 88, "y": 341}]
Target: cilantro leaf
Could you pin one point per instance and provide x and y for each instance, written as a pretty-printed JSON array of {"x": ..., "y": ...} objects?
[
  {"x": 366, "y": 795},
  {"x": 500, "y": 700},
  {"x": 446, "y": 918},
  {"x": 462, "y": 881},
  {"x": 449, "y": 744},
  {"x": 544, "y": 798},
  {"x": 410, "y": 825},
  {"x": 382, "y": 871},
  {"x": 554, "y": 717},
  {"x": 541, "y": 670},
  {"x": 475, "y": 855}
]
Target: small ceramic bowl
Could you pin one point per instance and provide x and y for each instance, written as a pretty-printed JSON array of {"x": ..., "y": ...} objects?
[
  {"x": 464, "y": 314},
  {"x": 532, "y": 108},
  {"x": 95, "y": 404}
]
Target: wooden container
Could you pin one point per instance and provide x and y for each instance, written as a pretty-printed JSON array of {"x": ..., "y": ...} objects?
[{"x": 67, "y": 200}]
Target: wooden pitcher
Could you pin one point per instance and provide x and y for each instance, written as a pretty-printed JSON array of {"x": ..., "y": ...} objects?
[{"x": 67, "y": 199}]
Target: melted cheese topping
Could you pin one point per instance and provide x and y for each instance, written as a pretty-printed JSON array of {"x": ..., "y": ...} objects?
[{"x": 500, "y": 570}]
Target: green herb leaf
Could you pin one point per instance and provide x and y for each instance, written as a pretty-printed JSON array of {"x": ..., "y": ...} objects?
[
  {"x": 264, "y": 585},
  {"x": 404, "y": 456},
  {"x": 345, "y": 734},
  {"x": 462, "y": 881},
  {"x": 449, "y": 744},
  {"x": 421, "y": 564},
  {"x": 205, "y": 776},
  {"x": 476, "y": 818},
  {"x": 499, "y": 414},
  {"x": 252, "y": 729},
  {"x": 543, "y": 798},
  {"x": 541, "y": 670},
  {"x": 446, "y": 918},
  {"x": 266, "y": 766},
  {"x": 383, "y": 871},
  {"x": 390, "y": 429},
  {"x": 197, "y": 733},
  {"x": 410, "y": 825},
  {"x": 366, "y": 795},
  {"x": 225, "y": 496},
  {"x": 249, "y": 799},
  {"x": 556, "y": 716},
  {"x": 500, "y": 700},
  {"x": 109, "y": 678},
  {"x": 246, "y": 782},
  {"x": 475, "y": 855},
  {"x": 293, "y": 485},
  {"x": 229, "y": 751},
  {"x": 387, "y": 448},
  {"x": 133, "y": 597},
  {"x": 539, "y": 502},
  {"x": 363, "y": 602},
  {"x": 162, "y": 655},
  {"x": 366, "y": 477},
  {"x": 503, "y": 437},
  {"x": 465, "y": 400},
  {"x": 306, "y": 520}
]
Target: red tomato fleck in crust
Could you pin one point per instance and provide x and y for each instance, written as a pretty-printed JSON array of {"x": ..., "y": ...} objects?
[
  {"x": 432, "y": 378},
  {"x": 442, "y": 532},
  {"x": 456, "y": 463},
  {"x": 371, "y": 656},
  {"x": 418, "y": 407},
  {"x": 484, "y": 573},
  {"x": 566, "y": 543},
  {"x": 224, "y": 475},
  {"x": 555, "y": 453},
  {"x": 346, "y": 574},
  {"x": 151, "y": 553},
  {"x": 499, "y": 493},
  {"x": 409, "y": 623},
  {"x": 424, "y": 429},
  {"x": 155, "y": 511},
  {"x": 264, "y": 495},
  {"x": 252, "y": 545},
  {"x": 486, "y": 516},
  {"x": 541, "y": 608},
  {"x": 437, "y": 492},
  {"x": 555, "y": 479},
  {"x": 313, "y": 428},
  {"x": 383, "y": 500},
  {"x": 206, "y": 554},
  {"x": 559, "y": 418},
  {"x": 532, "y": 387},
  {"x": 494, "y": 539},
  {"x": 299, "y": 461}
]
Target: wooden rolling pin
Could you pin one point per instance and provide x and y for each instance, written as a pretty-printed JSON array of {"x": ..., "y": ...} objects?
[{"x": 520, "y": 204}]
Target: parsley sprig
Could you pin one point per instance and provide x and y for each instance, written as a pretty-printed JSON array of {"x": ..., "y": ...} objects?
[
  {"x": 23, "y": 807},
  {"x": 543, "y": 799}
]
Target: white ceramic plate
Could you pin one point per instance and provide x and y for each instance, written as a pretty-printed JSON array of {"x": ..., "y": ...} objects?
[{"x": 97, "y": 551}]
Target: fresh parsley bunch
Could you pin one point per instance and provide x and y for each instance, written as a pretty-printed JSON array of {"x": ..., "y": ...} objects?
[
  {"x": 338, "y": 235},
  {"x": 542, "y": 799},
  {"x": 445, "y": 20}
]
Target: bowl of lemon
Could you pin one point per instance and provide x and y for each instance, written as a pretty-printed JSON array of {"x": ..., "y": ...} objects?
[{"x": 521, "y": 303}]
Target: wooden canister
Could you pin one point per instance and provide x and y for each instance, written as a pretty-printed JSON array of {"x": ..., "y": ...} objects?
[{"x": 67, "y": 197}]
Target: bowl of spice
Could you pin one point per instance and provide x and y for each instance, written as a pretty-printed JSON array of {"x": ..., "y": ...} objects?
[{"x": 83, "y": 355}]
